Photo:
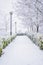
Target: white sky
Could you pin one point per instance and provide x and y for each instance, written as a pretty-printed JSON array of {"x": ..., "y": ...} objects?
[{"x": 5, "y": 5}]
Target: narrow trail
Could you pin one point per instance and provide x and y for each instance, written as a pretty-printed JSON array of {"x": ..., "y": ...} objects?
[{"x": 22, "y": 51}]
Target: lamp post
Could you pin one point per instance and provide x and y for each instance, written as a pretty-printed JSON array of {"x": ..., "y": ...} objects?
[
  {"x": 15, "y": 27},
  {"x": 11, "y": 23}
]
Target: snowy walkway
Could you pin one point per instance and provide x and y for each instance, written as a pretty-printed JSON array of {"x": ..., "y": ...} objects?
[{"x": 22, "y": 51}]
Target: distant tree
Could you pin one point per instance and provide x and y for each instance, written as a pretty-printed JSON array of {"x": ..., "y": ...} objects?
[{"x": 6, "y": 22}]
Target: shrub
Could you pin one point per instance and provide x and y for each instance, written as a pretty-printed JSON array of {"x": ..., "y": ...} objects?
[
  {"x": 41, "y": 44},
  {"x": 5, "y": 43},
  {"x": 8, "y": 40},
  {"x": 11, "y": 39},
  {"x": 0, "y": 51}
]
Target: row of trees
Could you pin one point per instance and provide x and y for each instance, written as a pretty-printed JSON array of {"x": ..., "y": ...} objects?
[{"x": 30, "y": 12}]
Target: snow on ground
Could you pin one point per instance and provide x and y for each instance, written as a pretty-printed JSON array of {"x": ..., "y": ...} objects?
[{"x": 22, "y": 51}]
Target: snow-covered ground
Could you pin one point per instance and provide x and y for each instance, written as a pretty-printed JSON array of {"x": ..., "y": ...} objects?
[{"x": 22, "y": 51}]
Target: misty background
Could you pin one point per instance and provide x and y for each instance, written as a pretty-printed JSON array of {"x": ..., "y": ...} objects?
[{"x": 28, "y": 15}]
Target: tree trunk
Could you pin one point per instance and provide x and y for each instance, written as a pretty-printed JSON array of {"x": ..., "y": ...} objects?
[{"x": 37, "y": 28}]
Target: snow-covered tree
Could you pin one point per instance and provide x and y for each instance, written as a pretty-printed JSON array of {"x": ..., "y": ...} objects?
[
  {"x": 39, "y": 13},
  {"x": 29, "y": 12}
]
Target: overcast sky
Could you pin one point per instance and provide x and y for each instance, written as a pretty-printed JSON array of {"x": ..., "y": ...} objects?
[{"x": 5, "y": 5}]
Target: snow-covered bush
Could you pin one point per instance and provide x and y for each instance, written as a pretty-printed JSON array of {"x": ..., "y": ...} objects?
[
  {"x": 41, "y": 42},
  {"x": 30, "y": 35},
  {"x": 37, "y": 38},
  {"x": 7, "y": 41},
  {"x": 0, "y": 51},
  {"x": 41, "y": 45}
]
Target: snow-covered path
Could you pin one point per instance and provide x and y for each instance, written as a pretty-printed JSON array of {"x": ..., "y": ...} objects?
[{"x": 22, "y": 51}]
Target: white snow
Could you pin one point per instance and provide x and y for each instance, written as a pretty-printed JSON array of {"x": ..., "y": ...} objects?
[{"x": 22, "y": 51}]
